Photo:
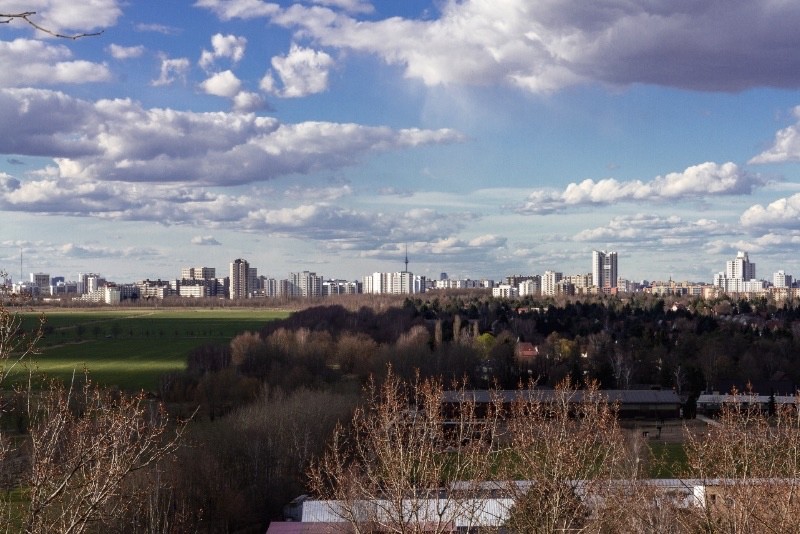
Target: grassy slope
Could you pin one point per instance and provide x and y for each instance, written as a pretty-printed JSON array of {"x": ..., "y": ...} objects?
[{"x": 132, "y": 348}]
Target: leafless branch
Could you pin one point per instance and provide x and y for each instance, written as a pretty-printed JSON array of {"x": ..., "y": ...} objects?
[{"x": 6, "y": 18}]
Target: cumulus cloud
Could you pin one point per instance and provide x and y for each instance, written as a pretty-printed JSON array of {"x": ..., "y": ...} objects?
[
  {"x": 224, "y": 84},
  {"x": 246, "y": 101},
  {"x": 172, "y": 70},
  {"x": 205, "y": 240},
  {"x": 223, "y": 46},
  {"x": 68, "y": 16},
  {"x": 769, "y": 244},
  {"x": 31, "y": 62},
  {"x": 698, "y": 180},
  {"x": 125, "y": 52},
  {"x": 303, "y": 71},
  {"x": 119, "y": 140},
  {"x": 544, "y": 46},
  {"x": 782, "y": 213},
  {"x": 8, "y": 183},
  {"x": 786, "y": 146}
]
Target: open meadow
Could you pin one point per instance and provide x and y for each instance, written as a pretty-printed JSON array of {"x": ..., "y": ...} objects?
[{"x": 131, "y": 348}]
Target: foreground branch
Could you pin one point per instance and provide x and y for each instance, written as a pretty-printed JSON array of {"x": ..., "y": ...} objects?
[{"x": 6, "y": 18}]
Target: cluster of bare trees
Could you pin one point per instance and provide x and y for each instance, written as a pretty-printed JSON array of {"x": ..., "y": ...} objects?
[
  {"x": 69, "y": 454},
  {"x": 408, "y": 464}
]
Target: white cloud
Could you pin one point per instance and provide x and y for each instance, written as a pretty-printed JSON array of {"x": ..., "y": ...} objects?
[
  {"x": 8, "y": 183},
  {"x": 67, "y": 16},
  {"x": 156, "y": 28},
  {"x": 243, "y": 9},
  {"x": 71, "y": 250},
  {"x": 172, "y": 69},
  {"x": 352, "y": 6},
  {"x": 28, "y": 62},
  {"x": 701, "y": 180},
  {"x": 125, "y": 52},
  {"x": 544, "y": 46},
  {"x": 223, "y": 46},
  {"x": 786, "y": 146},
  {"x": 782, "y": 213},
  {"x": 245, "y": 101},
  {"x": 224, "y": 84},
  {"x": 205, "y": 240},
  {"x": 303, "y": 71},
  {"x": 119, "y": 140},
  {"x": 647, "y": 230}
]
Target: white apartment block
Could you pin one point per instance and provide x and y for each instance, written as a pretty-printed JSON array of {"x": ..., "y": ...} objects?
[
  {"x": 740, "y": 268},
  {"x": 198, "y": 273},
  {"x": 340, "y": 287},
  {"x": 604, "y": 269},
  {"x": 530, "y": 287},
  {"x": 400, "y": 283},
  {"x": 781, "y": 279},
  {"x": 155, "y": 289},
  {"x": 451, "y": 283},
  {"x": 739, "y": 276},
  {"x": 306, "y": 284},
  {"x": 505, "y": 291},
  {"x": 105, "y": 295},
  {"x": 550, "y": 280}
]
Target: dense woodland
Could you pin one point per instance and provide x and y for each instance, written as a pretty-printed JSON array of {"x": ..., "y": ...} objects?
[
  {"x": 263, "y": 406},
  {"x": 311, "y": 367}
]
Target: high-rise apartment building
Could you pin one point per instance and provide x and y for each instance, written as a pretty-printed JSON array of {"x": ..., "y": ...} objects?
[
  {"x": 550, "y": 281},
  {"x": 42, "y": 281},
  {"x": 89, "y": 282},
  {"x": 604, "y": 269},
  {"x": 198, "y": 273},
  {"x": 239, "y": 278},
  {"x": 739, "y": 273},
  {"x": 531, "y": 286},
  {"x": 306, "y": 284},
  {"x": 740, "y": 268},
  {"x": 781, "y": 279}
]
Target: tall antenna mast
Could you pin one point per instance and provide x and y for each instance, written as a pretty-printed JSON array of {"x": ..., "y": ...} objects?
[
  {"x": 20, "y": 265},
  {"x": 406, "y": 258}
]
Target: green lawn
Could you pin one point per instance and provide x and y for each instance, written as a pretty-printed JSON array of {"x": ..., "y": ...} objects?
[
  {"x": 669, "y": 460},
  {"x": 132, "y": 348}
]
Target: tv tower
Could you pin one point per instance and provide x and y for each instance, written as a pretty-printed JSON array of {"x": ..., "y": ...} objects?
[{"x": 406, "y": 270}]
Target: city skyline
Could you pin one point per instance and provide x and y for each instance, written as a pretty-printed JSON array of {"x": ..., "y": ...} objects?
[
  {"x": 242, "y": 275},
  {"x": 339, "y": 135}
]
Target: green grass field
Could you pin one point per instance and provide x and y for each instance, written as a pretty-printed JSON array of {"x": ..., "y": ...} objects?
[{"x": 132, "y": 348}]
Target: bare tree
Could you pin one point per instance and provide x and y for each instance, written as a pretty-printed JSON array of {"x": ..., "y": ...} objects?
[
  {"x": 389, "y": 469},
  {"x": 25, "y": 16},
  {"x": 84, "y": 442},
  {"x": 750, "y": 463},
  {"x": 565, "y": 447},
  {"x": 81, "y": 444}
]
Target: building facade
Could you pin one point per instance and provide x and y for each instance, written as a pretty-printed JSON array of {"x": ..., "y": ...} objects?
[
  {"x": 239, "y": 278},
  {"x": 604, "y": 269}
]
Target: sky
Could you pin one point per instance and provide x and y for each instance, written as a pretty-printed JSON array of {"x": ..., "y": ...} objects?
[{"x": 485, "y": 137}]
